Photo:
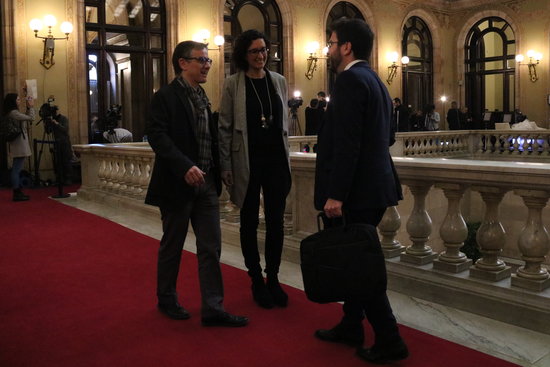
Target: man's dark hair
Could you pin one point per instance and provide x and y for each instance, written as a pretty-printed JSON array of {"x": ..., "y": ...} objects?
[
  {"x": 321, "y": 94},
  {"x": 357, "y": 32},
  {"x": 397, "y": 100},
  {"x": 10, "y": 103},
  {"x": 183, "y": 50},
  {"x": 313, "y": 103},
  {"x": 242, "y": 43}
]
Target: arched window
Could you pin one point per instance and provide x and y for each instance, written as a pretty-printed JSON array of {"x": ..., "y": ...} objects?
[
  {"x": 262, "y": 15},
  {"x": 489, "y": 66},
  {"x": 126, "y": 54},
  {"x": 416, "y": 43},
  {"x": 339, "y": 10}
]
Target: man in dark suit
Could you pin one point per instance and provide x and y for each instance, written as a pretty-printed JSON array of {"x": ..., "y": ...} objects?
[
  {"x": 355, "y": 175},
  {"x": 185, "y": 184},
  {"x": 400, "y": 116},
  {"x": 453, "y": 117}
]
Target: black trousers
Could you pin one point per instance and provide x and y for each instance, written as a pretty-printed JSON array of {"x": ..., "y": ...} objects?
[
  {"x": 377, "y": 307},
  {"x": 271, "y": 175},
  {"x": 203, "y": 213}
]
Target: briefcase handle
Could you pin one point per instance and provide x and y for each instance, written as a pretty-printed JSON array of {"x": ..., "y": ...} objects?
[{"x": 334, "y": 222}]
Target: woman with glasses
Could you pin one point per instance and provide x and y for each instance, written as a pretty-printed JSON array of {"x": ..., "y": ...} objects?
[
  {"x": 253, "y": 137},
  {"x": 19, "y": 148}
]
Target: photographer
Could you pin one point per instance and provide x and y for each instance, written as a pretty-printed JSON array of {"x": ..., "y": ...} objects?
[
  {"x": 116, "y": 134},
  {"x": 58, "y": 124}
]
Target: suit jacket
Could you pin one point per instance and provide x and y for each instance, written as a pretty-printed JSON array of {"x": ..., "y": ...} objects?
[
  {"x": 353, "y": 159},
  {"x": 233, "y": 132},
  {"x": 171, "y": 135}
]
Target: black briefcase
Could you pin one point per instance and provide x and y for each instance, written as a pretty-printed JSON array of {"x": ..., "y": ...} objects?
[{"x": 341, "y": 263}]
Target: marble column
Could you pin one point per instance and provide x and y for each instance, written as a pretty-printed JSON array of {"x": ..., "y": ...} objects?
[
  {"x": 388, "y": 227},
  {"x": 533, "y": 243},
  {"x": 491, "y": 238},
  {"x": 453, "y": 232},
  {"x": 419, "y": 226}
]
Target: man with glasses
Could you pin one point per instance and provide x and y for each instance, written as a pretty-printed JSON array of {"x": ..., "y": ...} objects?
[
  {"x": 185, "y": 184},
  {"x": 355, "y": 177}
]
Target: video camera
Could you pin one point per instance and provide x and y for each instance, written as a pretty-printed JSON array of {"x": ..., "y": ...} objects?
[
  {"x": 47, "y": 112},
  {"x": 295, "y": 102},
  {"x": 113, "y": 116}
]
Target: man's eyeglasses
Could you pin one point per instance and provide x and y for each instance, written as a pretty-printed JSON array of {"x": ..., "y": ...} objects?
[
  {"x": 201, "y": 59},
  {"x": 330, "y": 43},
  {"x": 255, "y": 51}
]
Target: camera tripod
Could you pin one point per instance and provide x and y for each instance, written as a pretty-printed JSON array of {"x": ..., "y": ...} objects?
[
  {"x": 49, "y": 139},
  {"x": 294, "y": 129}
]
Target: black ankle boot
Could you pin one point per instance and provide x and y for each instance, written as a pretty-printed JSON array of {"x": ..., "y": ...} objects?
[
  {"x": 280, "y": 298},
  {"x": 260, "y": 294},
  {"x": 19, "y": 196}
]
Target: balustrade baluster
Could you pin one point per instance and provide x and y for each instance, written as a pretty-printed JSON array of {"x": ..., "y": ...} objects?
[
  {"x": 491, "y": 238},
  {"x": 453, "y": 231},
  {"x": 110, "y": 172},
  {"x": 419, "y": 226},
  {"x": 101, "y": 173},
  {"x": 388, "y": 227},
  {"x": 533, "y": 243}
]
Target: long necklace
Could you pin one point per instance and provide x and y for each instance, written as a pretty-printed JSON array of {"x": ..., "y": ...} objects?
[{"x": 265, "y": 123}]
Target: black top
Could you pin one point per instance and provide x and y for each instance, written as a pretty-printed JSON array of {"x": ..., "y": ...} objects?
[{"x": 263, "y": 142}]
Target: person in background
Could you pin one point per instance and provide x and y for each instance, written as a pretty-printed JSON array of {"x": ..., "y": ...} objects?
[
  {"x": 60, "y": 128},
  {"x": 185, "y": 185},
  {"x": 253, "y": 131},
  {"x": 355, "y": 175},
  {"x": 118, "y": 135},
  {"x": 466, "y": 121},
  {"x": 19, "y": 148},
  {"x": 314, "y": 114},
  {"x": 431, "y": 118},
  {"x": 400, "y": 116},
  {"x": 453, "y": 117}
]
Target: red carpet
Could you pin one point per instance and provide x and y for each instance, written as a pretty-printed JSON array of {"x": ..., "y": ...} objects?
[{"x": 78, "y": 290}]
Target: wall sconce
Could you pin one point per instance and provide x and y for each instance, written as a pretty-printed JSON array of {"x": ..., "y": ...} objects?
[
  {"x": 537, "y": 56},
  {"x": 392, "y": 69},
  {"x": 49, "y": 40},
  {"x": 204, "y": 35},
  {"x": 311, "y": 49}
]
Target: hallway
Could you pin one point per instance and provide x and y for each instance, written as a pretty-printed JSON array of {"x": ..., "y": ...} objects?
[{"x": 511, "y": 343}]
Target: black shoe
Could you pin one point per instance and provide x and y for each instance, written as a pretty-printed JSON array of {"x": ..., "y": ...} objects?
[
  {"x": 280, "y": 298},
  {"x": 260, "y": 293},
  {"x": 382, "y": 355},
  {"x": 225, "y": 319},
  {"x": 174, "y": 312},
  {"x": 349, "y": 335},
  {"x": 19, "y": 196}
]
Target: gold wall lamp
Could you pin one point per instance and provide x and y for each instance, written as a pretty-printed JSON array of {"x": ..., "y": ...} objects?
[
  {"x": 311, "y": 49},
  {"x": 49, "y": 40},
  {"x": 532, "y": 65},
  {"x": 392, "y": 69},
  {"x": 204, "y": 35}
]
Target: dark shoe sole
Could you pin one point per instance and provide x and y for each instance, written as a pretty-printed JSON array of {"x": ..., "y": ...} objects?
[
  {"x": 346, "y": 341},
  {"x": 382, "y": 358},
  {"x": 180, "y": 315},
  {"x": 218, "y": 323}
]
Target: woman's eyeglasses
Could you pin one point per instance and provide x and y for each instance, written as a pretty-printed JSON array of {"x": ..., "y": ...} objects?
[
  {"x": 201, "y": 59},
  {"x": 255, "y": 51}
]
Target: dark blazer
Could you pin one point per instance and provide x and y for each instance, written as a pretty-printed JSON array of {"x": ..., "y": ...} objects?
[
  {"x": 171, "y": 135},
  {"x": 353, "y": 158}
]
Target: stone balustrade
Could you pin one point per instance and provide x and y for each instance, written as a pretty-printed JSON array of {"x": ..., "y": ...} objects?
[{"x": 422, "y": 237}]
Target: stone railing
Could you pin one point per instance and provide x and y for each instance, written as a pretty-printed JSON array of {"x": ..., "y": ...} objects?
[
  {"x": 421, "y": 238},
  {"x": 465, "y": 185},
  {"x": 477, "y": 144}
]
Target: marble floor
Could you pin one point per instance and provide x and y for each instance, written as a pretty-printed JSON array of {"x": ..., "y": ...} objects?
[{"x": 511, "y": 343}]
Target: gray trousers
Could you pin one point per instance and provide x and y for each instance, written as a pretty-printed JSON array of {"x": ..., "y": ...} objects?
[{"x": 203, "y": 212}]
